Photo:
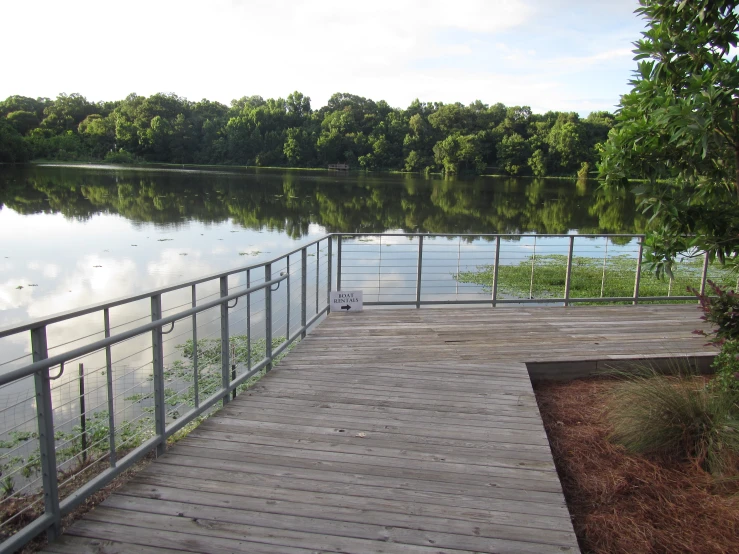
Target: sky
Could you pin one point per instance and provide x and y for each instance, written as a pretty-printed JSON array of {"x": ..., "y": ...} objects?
[{"x": 563, "y": 55}]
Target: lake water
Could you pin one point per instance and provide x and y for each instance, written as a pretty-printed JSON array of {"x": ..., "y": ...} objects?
[{"x": 75, "y": 235}]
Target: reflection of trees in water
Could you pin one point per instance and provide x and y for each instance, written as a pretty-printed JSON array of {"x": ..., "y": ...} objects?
[{"x": 290, "y": 201}]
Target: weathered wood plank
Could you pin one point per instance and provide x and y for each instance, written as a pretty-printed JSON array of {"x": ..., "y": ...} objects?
[
  {"x": 180, "y": 476},
  {"x": 377, "y": 467},
  {"x": 361, "y": 445},
  {"x": 337, "y": 507},
  {"x": 411, "y": 431},
  {"x": 538, "y": 477},
  {"x": 350, "y": 426}
]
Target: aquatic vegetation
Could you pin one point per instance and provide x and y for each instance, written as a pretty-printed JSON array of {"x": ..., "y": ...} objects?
[{"x": 544, "y": 277}]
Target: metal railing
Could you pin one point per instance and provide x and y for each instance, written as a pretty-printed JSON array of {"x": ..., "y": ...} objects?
[
  {"x": 142, "y": 384},
  {"x": 281, "y": 300},
  {"x": 407, "y": 269}
]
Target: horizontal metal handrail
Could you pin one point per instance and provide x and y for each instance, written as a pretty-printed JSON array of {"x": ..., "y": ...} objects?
[
  {"x": 493, "y": 235},
  {"x": 52, "y": 361}
]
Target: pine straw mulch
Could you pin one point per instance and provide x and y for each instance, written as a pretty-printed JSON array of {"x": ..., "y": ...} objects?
[{"x": 624, "y": 503}]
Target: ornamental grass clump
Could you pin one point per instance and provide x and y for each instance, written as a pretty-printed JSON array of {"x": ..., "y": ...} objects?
[{"x": 678, "y": 416}]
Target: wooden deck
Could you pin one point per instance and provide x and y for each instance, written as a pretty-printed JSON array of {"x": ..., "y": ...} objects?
[{"x": 393, "y": 431}]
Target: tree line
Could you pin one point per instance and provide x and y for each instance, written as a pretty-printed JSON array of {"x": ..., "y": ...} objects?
[{"x": 350, "y": 129}]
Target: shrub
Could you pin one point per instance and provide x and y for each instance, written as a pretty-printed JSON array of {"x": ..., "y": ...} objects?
[
  {"x": 120, "y": 156},
  {"x": 726, "y": 365},
  {"x": 722, "y": 311},
  {"x": 676, "y": 415}
]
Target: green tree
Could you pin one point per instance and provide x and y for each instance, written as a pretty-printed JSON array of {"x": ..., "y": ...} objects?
[
  {"x": 24, "y": 104},
  {"x": 66, "y": 112},
  {"x": 99, "y": 134},
  {"x": 297, "y": 148},
  {"x": 513, "y": 153},
  {"x": 23, "y": 121},
  {"x": 538, "y": 163},
  {"x": 12, "y": 147},
  {"x": 457, "y": 152},
  {"x": 564, "y": 141},
  {"x": 679, "y": 129}
]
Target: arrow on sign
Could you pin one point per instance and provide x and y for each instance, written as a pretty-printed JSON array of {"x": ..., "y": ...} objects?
[{"x": 346, "y": 307}]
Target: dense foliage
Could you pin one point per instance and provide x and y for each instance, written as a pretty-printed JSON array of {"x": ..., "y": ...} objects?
[
  {"x": 679, "y": 129},
  {"x": 287, "y": 132},
  {"x": 721, "y": 310}
]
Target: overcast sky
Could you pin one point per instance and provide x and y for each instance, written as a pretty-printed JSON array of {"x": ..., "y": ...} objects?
[{"x": 566, "y": 55}]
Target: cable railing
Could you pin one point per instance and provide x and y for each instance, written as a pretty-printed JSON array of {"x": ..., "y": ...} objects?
[
  {"x": 414, "y": 269},
  {"x": 108, "y": 384}
]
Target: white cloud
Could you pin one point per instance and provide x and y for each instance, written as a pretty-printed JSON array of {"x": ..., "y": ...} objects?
[{"x": 395, "y": 50}]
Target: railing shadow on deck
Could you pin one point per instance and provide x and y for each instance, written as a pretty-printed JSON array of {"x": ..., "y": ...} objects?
[{"x": 142, "y": 385}]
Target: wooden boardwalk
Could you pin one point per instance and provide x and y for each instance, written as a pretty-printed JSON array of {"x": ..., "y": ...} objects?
[{"x": 388, "y": 431}]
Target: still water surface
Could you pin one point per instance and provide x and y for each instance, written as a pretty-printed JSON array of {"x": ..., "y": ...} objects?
[{"x": 75, "y": 235}]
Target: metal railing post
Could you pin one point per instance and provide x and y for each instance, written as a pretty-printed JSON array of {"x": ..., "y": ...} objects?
[
  {"x": 533, "y": 263},
  {"x": 568, "y": 276},
  {"x": 160, "y": 414},
  {"x": 603, "y": 276},
  {"x": 330, "y": 276},
  {"x": 704, "y": 275},
  {"x": 338, "y": 262},
  {"x": 495, "y": 271},
  {"x": 268, "y": 316},
  {"x": 47, "y": 445},
  {"x": 248, "y": 321},
  {"x": 225, "y": 340},
  {"x": 83, "y": 417},
  {"x": 318, "y": 272},
  {"x": 637, "y": 278},
  {"x": 195, "y": 375},
  {"x": 111, "y": 397},
  {"x": 287, "y": 302},
  {"x": 303, "y": 290},
  {"x": 419, "y": 271}
]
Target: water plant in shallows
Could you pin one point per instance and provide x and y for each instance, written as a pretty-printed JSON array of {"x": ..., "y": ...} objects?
[{"x": 544, "y": 276}]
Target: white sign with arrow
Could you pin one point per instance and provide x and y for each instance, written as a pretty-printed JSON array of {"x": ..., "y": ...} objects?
[{"x": 347, "y": 301}]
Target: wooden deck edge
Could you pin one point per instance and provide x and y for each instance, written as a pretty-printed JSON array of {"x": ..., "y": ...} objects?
[{"x": 559, "y": 370}]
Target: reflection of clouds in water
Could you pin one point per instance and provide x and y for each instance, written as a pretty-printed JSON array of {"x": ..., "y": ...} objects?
[
  {"x": 173, "y": 267},
  {"x": 50, "y": 271},
  {"x": 12, "y": 297},
  {"x": 6, "y": 265},
  {"x": 384, "y": 239},
  {"x": 87, "y": 285},
  {"x": 314, "y": 229}
]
